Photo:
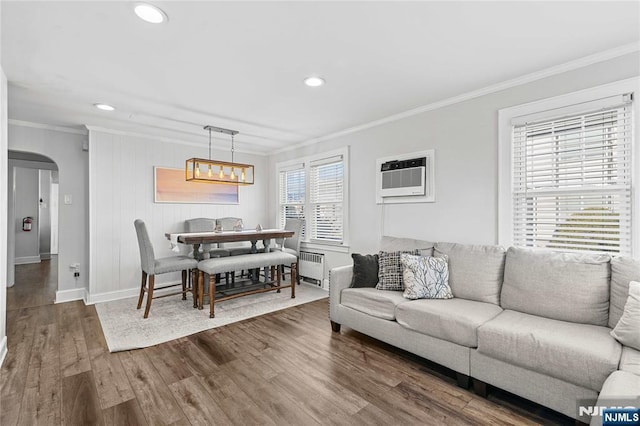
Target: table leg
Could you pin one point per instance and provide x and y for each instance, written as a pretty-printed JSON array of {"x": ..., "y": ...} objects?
[
  {"x": 196, "y": 249},
  {"x": 267, "y": 277}
]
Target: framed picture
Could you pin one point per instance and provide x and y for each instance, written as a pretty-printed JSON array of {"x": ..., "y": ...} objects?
[{"x": 170, "y": 186}]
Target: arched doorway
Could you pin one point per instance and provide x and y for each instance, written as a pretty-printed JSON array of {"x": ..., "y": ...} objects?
[{"x": 32, "y": 267}]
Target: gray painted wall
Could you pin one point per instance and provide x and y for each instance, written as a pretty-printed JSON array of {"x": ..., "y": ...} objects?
[
  {"x": 27, "y": 183},
  {"x": 465, "y": 138}
]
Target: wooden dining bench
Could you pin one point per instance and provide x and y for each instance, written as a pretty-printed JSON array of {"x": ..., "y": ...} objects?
[{"x": 272, "y": 259}]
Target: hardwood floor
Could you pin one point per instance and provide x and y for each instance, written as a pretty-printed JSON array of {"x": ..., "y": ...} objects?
[{"x": 287, "y": 367}]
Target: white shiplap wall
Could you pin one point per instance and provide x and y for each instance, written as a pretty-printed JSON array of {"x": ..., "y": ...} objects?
[{"x": 121, "y": 190}]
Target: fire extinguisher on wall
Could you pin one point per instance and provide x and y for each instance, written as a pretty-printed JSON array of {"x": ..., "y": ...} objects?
[{"x": 27, "y": 223}]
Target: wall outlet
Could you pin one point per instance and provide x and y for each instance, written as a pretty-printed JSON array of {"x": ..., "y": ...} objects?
[{"x": 76, "y": 274}]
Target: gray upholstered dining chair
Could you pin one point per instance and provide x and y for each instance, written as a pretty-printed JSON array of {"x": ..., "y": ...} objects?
[
  {"x": 292, "y": 244},
  {"x": 152, "y": 267}
]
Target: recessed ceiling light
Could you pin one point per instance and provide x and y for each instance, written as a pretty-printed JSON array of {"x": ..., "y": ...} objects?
[
  {"x": 104, "y": 107},
  {"x": 314, "y": 81},
  {"x": 150, "y": 13}
]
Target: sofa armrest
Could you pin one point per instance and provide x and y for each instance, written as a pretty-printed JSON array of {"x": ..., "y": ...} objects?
[
  {"x": 621, "y": 388},
  {"x": 339, "y": 279}
]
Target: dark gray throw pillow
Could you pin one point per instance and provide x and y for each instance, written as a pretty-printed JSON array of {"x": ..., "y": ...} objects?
[{"x": 365, "y": 270}]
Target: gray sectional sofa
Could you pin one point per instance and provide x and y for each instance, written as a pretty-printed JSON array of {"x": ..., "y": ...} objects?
[{"x": 534, "y": 323}]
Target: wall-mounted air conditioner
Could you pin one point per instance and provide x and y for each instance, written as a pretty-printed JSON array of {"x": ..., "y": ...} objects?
[{"x": 405, "y": 178}]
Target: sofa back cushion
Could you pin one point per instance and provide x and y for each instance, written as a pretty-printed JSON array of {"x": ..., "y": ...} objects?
[
  {"x": 563, "y": 286},
  {"x": 623, "y": 271},
  {"x": 475, "y": 272},
  {"x": 391, "y": 244}
]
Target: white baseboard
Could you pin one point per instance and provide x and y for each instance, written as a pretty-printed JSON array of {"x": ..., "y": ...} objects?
[
  {"x": 63, "y": 296},
  {"x": 26, "y": 259},
  {"x": 109, "y": 296},
  {"x": 3, "y": 350}
]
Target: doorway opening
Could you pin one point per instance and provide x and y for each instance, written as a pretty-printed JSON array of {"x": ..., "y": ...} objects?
[{"x": 32, "y": 243}]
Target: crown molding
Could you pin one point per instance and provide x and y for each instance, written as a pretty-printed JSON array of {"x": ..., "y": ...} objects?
[
  {"x": 92, "y": 128},
  {"x": 33, "y": 125},
  {"x": 518, "y": 81}
]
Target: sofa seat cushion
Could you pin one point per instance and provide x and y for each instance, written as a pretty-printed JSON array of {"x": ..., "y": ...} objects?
[
  {"x": 581, "y": 354},
  {"x": 455, "y": 320},
  {"x": 630, "y": 360},
  {"x": 377, "y": 303}
]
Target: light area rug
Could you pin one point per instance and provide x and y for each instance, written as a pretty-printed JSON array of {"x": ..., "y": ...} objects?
[{"x": 171, "y": 317}]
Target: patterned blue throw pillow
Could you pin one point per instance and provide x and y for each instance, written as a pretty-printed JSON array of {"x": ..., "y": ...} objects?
[
  {"x": 390, "y": 270},
  {"x": 425, "y": 277}
]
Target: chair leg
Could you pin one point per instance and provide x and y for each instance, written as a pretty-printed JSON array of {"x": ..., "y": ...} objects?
[
  {"x": 184, "y": 284},
  {"x": 144, "y": 283},
  {"x": 297, "y": 272},
  {"x": 152, "y": 280}
]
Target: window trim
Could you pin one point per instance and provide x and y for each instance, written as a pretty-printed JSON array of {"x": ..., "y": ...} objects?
[
  {"x": 308, "y": 162},
  {"x": 505, "y": 178}
]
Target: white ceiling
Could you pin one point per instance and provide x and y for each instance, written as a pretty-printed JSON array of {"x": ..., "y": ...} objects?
[{"x": 240, "y": 65}]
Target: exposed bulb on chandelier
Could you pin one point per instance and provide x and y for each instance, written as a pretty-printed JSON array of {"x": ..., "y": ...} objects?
[
  {"x": 197, "y": 170},
  {"x": 209, "y": 172},
  {"x": 243, "y": 176},
  {"x": 232, "y": 176},
  {"x": 221, "y": 173}
]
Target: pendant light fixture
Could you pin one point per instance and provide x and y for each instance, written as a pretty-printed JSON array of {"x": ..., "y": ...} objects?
[{"x": 214, "y": 171}]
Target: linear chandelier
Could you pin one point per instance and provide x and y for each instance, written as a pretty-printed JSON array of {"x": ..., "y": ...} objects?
[{"x": 214, "y": 171}]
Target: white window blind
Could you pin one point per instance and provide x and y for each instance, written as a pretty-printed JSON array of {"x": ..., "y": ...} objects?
[
  {"x": 326, "y": 193},
  {"x": 572, "y": 181},
  {"x": 292, "y": 187}
]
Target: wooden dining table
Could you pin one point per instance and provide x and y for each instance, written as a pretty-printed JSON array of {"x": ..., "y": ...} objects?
[{"x": 196, "y": 239}]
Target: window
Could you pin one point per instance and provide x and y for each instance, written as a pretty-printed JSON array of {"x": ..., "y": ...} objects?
[
  {"x": 315, "y": 192},
  {"x": 571, "y": 177},
  {"x": 326, "y": 190},
  {"x": 292, "y": 195}
]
